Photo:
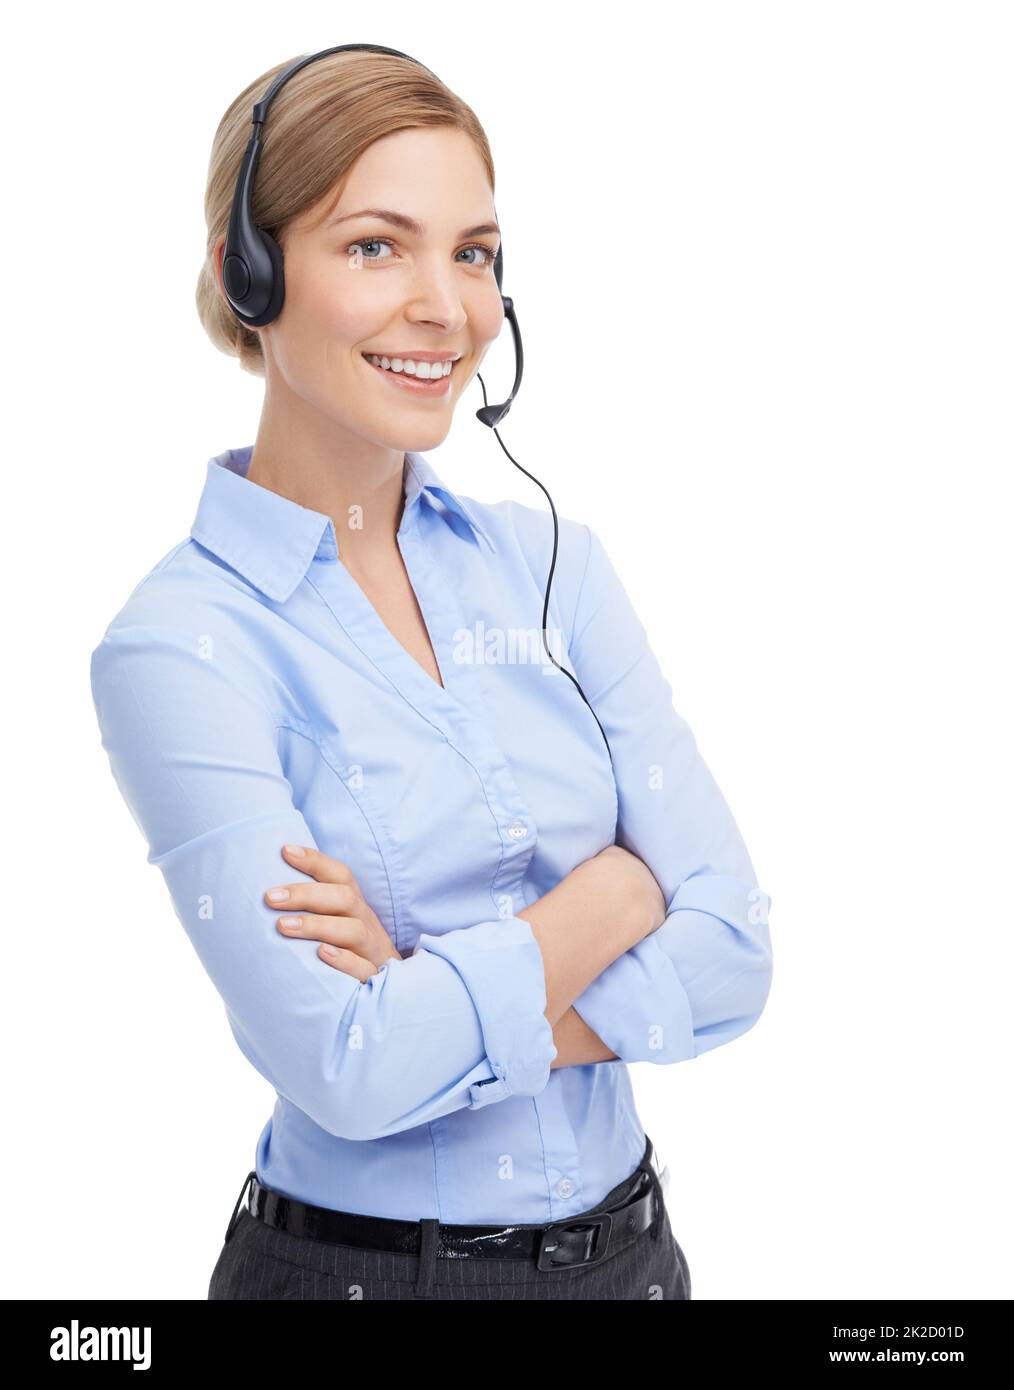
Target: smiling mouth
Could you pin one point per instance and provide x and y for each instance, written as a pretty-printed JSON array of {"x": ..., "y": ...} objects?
[
  {"x": 407, "y": 367},
  {"x": 438, "y": 389}
]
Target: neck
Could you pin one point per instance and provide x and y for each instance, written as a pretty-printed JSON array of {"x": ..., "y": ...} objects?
[{"x": 358, "y": 484}]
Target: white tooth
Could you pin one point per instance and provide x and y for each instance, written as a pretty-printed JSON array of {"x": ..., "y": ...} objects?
[{"x": 425, "y": 371}]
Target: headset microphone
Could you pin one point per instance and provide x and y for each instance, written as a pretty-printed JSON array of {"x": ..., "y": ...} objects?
[{"x": 253, "y": 274}]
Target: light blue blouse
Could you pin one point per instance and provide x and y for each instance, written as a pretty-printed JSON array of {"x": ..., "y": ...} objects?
[{"x": 249, "y": 696}]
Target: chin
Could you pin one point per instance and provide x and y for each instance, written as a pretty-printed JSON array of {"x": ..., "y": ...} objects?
[{"x": 414, "y": 436}]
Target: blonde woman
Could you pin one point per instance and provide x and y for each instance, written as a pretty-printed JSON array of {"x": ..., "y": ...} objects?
[{"x": 442, "y": 910}]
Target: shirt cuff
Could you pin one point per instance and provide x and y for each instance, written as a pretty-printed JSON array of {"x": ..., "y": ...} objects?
[
  {"x": 697, "y": 981},
  {"x": 502, "y": 968},
  {"x": 639, "y": 1008}
]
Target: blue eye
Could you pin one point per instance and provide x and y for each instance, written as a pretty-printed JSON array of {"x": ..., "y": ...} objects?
[
  {"x": 487, "y": 251},
  {"x": 364, "y": 242},
  {"x": 371, "y": 241}
]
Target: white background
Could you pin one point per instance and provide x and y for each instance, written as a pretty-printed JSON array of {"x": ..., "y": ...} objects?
[{"x": 761, "y": 258}]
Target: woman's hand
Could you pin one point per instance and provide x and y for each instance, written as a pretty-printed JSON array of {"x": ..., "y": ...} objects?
[{"x": 334, "y": 912}]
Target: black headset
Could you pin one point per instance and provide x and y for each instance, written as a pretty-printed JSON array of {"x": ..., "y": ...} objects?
[{"x": 253, "y": 274}]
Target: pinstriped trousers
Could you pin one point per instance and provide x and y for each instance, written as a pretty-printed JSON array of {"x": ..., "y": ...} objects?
[{"x": 259, "y": 1262}]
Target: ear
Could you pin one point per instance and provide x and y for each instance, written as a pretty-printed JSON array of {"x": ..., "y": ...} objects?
[{"x": 216, "y": 259}]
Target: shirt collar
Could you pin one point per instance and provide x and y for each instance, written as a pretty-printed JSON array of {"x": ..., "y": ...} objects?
[{"x": 271, "y": 540}]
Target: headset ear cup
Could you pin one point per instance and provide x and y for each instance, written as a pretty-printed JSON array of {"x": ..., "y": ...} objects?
[
  {"x": 498, "y": 267},
  {"x": 276, "y": 289}
]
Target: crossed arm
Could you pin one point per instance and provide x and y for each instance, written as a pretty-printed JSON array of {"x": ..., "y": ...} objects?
[
  {"x": 576, "y": 1043},
  {"x": 193, "y": 746},
  {"x": 599, "y": 911}
]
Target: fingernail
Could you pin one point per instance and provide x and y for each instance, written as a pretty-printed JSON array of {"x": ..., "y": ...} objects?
[
  {"x": 290, "y": 923},
  {"x": 296, "y": 850},
  {"x": 278, "y": 895}
]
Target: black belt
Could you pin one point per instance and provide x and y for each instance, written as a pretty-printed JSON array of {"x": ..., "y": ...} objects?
[{"x": 584, "y": 1239}]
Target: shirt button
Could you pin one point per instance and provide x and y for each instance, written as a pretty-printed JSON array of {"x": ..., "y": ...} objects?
[
  {"x": 564, "y": 1187},
  {"x": 517, "y": 829}
]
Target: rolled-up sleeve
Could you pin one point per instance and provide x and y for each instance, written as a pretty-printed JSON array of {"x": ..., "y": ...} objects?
[
  {"x": 703, "y": 977},
  {"x": 501, "y": 966},
  {"x": 193, "y": 748}
]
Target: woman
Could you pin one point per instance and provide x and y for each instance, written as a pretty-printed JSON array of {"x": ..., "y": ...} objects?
[{"x": 388, "y": 825}]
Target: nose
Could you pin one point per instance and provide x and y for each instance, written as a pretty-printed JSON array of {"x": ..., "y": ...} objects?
[{"x": 435, "y": 295}]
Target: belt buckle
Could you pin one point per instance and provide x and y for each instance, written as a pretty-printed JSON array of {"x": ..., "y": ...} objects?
[{"x": 595, "y": 1253}]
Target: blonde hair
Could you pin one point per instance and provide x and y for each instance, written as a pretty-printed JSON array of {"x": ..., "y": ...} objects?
[{"x": 318, "y": 125}]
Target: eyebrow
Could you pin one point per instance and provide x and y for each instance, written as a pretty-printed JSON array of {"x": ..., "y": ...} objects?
[{"x": 409, "y": 224}]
